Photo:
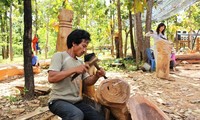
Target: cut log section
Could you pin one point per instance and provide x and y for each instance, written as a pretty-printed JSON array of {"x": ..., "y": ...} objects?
[
  {"x": 12, "y": 70},
  {"x": 142, "y": 109},
  {"x": 189, "y": 58},
  {"x": 114, "y": 93}
]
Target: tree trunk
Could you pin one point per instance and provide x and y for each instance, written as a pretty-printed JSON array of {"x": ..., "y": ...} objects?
[
  {"x": 36, "y": 17},
  {"x": 5, "y": 40},
  {"x": 47, "y": 39},
  {"x": 148, "y": 27},
  {"x": 112, "y": 26},
  {"x": 11, "y": 49},
  {"x": 138, "y": 38},
  {"x": 119, "y": 29},
  {"x": 28, "y": 70},
  {"x": 125, "y": 44},
  {"x": 131, "y": 35},
  {"x": 2, "y": 37},
  {"x": 7, "y": 37}
]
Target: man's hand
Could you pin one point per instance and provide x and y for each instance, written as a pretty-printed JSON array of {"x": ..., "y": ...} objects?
[
  {"x": 100, "y": 73},
  {"x": 82, "y": 68}
]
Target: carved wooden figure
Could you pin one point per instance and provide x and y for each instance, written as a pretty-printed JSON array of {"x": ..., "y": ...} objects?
[
  {"x": 65, "y": 28},
  {"x": 163, "y": 59}
]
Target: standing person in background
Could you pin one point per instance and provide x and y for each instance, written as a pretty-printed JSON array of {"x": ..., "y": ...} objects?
[
  {"x": 34, "y": 43},
  {"x": 157, "y": 36},
  {"x": 66, "y": 99}
]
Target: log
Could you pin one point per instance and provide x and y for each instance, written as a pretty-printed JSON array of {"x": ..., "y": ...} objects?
[
  {"x": 142, "y": 109},
  {"x": 65, "y": 27},
  {"x": 39, "y": 90},
  {"x": 188, "y": 61},
  {"x": 188, "y": 57},
  {"x": 162, "y": 66},
  {"x": 13, "y": 70},
  {"x": 45, "y": 63},
  {"x": 114, "y": 93},
  {"x": 34, "y": 113}
]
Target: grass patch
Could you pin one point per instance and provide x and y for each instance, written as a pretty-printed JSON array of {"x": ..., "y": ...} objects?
[{"x": 129, "y": 64}]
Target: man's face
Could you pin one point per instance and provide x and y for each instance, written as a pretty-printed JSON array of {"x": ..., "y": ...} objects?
[{"x": 80, "y": 49}]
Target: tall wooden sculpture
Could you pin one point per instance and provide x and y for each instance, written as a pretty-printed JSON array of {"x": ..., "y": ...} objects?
[
  {"x": 65, "y": 27},
  {"x": 162, "y": 66}
]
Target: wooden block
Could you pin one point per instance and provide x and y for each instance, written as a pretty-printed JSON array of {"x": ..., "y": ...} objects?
[
  {"x": 39, "y": 90},
  {"x": 38, "y": 111},
  {"x": 142, "y": 109}
]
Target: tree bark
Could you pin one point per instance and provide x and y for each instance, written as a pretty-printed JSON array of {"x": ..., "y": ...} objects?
[
  {"x": 112, "y": 26},
  {"x": 138, "y": 38},
  {"x": 131, "y": 35},
  {"x": 148, "y": 26},
  {"x": 119, "y": 29},
  {"x": 10, "y": 48},
  {"x": 28, "y": 70}
]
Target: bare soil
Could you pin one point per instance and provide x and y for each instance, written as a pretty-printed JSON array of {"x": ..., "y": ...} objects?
[{"x": 179, "y": 99}]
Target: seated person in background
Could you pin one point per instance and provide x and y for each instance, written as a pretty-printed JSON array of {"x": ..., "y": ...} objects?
[{"x": 34, "y": 60}]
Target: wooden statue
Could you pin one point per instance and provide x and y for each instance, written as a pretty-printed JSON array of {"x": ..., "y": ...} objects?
[
  {"x": 65, "y": 27},
  {"x": 164, "y": 49}
]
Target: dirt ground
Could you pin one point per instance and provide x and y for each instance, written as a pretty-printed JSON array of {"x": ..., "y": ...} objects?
[{"x": 179, "y": 99}]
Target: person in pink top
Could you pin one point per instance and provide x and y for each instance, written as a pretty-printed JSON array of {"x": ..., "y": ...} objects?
[{"x": 173, "y": 60}]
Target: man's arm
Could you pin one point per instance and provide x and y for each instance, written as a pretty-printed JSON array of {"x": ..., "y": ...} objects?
[
  {"x": 93, "y": 78},
  {"x": 56, "y": 76}
]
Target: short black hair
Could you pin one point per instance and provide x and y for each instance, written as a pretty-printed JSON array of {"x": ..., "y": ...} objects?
[{"x": 77, "y": 36}]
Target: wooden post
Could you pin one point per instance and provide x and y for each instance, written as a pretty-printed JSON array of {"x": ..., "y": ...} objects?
[
  {"x": 65, "y": 27},
  {"x": 162, "y": 66}
]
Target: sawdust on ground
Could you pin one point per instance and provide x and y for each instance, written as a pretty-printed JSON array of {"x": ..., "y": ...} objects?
[{"x": 179, "y": 99}]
